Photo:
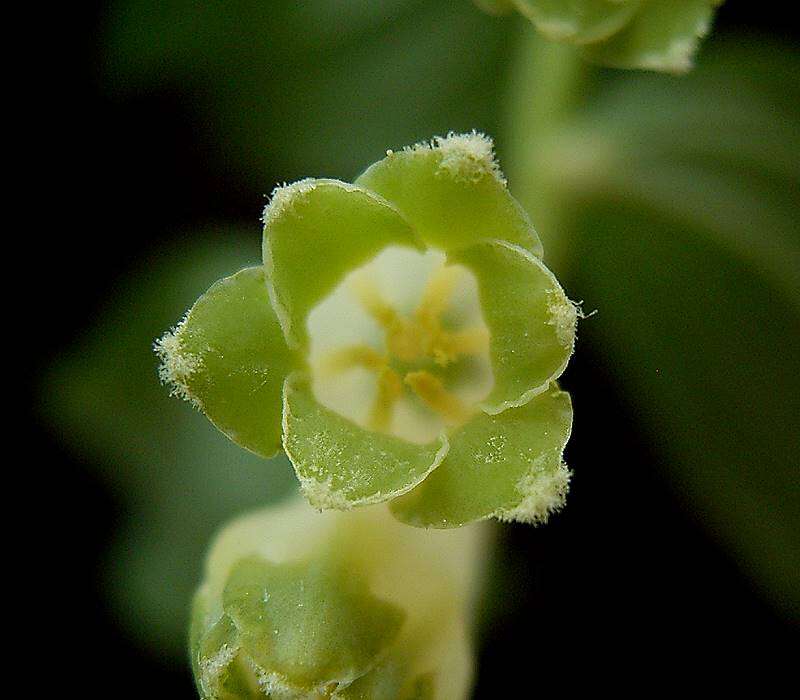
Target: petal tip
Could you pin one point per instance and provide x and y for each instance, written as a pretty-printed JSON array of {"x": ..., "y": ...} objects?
[
  {"x": 465, "y": 157},
  {"x": 212, "y": 669},
  {"x": 542, "y": 494},
  {"x": 564, "y": 316},
  {"x": 284, "y": 198},
  {"x": 323, "y": 496},
  {"x": 678, "y": 58},
  {"x": 177, "y": 365},
  {"x": 274, "y": 684}
]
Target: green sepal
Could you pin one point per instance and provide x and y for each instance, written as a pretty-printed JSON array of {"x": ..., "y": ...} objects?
[
  {"x": 662, "y": 36},
  {"x": 508, "y": 466},
  {"x": 315, "y": 232},
  {"x": 312, "y": 624},
  {"x": 229, "y": 359},
  {"x": 220, "y": 670},
  {"x": 453, "y": 193},
  {"x": 530, "y": 319},
  {"x": 579, "y": 21},
  {"x": 341, "y": 465}
]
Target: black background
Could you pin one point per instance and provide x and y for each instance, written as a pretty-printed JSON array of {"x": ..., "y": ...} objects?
[{"x": 622, "y": 591}]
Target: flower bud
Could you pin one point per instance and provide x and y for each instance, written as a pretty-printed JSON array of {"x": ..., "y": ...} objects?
[{"x": 301, "y": 604}]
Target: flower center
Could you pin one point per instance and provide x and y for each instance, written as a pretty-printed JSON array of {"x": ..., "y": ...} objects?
[{"x": 401, "y": 347}]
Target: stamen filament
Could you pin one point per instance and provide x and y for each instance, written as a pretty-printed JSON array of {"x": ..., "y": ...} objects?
[
  {"x": 436, "y": 297},
  {"x": 369, "y": 296},
  {"x": 390, "y": 389},
  {"x": 351, "y": 357},
  {"x": 449, "y": 345},
  {"x": 430, "y": 389}
]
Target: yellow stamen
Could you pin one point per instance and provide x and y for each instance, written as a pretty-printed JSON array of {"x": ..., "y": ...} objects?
[
  {"x": 403, "y": 338},
  {"x": 406, "y": 340},
  {"x": 369, "y": 296},
  {"x": 411, "y": 339},
  {"x": 436, "y": 297},
  {"x": 390, "y": 388},
  {"x": 449, "y": 345},
  {"x": 354, "y": 356},
  {"x": 433, "y": 394}
]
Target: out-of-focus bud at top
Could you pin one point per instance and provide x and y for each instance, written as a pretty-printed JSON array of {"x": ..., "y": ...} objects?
[
  {"x": 660, "y": 35},
  {"x": 301, "y": 604}
]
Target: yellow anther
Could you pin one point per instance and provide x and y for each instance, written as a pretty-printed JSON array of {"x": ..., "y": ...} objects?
[
  {"x": 406, "y": 340},
  {"x": 354, "y": 356},
  {"x": 390, "y": 388},
  {"x": 433, "y": 394}
]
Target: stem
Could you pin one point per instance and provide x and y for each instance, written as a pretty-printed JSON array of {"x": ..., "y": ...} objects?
[{"x": 546, "y": 88}]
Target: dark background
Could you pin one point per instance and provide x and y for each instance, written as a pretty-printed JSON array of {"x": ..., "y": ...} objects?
[{"x": 625, "y": 589}]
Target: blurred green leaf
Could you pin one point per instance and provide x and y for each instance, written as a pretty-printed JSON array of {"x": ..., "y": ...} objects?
[
  {"x": 177, "y": 478},
  {"x": 677, "y": 201},
  {"x": 496, "y": 7},
  {"x": 314, "y": 88}
]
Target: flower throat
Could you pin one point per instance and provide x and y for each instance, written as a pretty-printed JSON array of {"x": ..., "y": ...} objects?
[{"x": 401, "y": 347}]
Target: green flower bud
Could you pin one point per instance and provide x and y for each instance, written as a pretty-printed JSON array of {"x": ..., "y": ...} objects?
[
  {"x": 401, "y": 343},
  {"x": 301, "y": 604},
  {"x": 660, "y": 35}
]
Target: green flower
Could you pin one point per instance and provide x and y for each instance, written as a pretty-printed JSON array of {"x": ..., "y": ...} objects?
[
  {"x": 659, "y": 35},
  {"x": 301, "y": 604},
  {"x": 401, "y": 342}
]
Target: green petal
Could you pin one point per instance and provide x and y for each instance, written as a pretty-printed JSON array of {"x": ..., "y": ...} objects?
[
  {"x": 578, "y": 21},
  {"x": 507, "y": 466},
  {"x": 316, "y": 231},
  {"x": 311, "y": 623},
  {"x": 341, "y": 465},
  {"x": 389, "y": 681},
  {"x": 453, "y": 192},
  {"x": 663, "y": 36},
  {"x": 229, "y": 359},
  {"x": 531, "y": 321},
  {"x": 292, "y": 627}
]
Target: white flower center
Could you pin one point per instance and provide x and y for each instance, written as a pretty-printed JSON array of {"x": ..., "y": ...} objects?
[{"x": 401, "y": 347}]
